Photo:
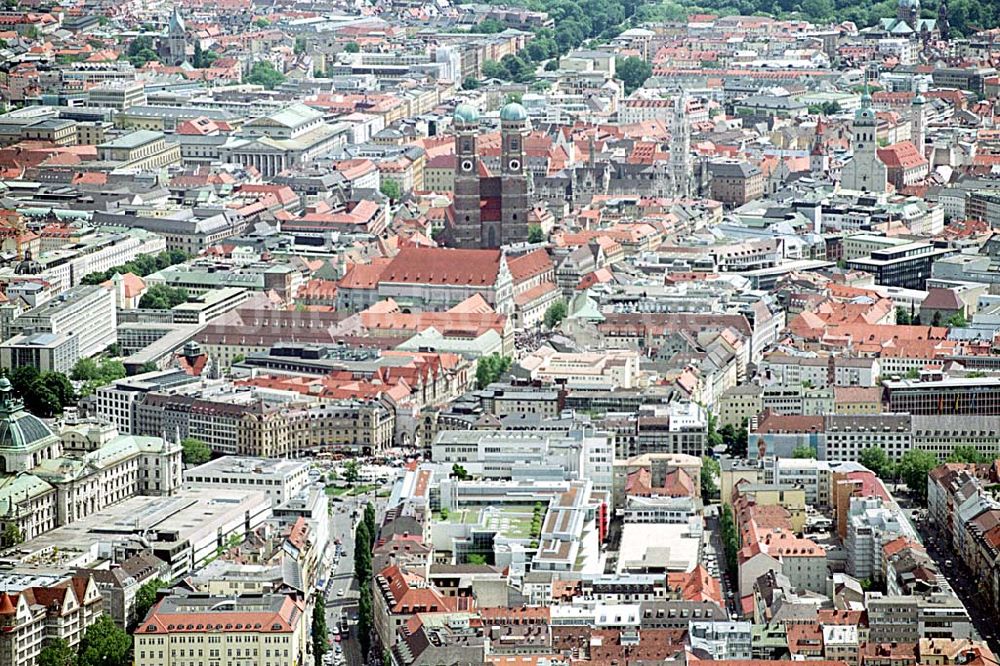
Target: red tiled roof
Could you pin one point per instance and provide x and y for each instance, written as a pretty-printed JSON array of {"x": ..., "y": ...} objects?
[
  {"x": 529, "y": 265},
  {"x": 901, "y": 155},
  {"x": 282, "y": 621},
  {"x": 426, "y": 265}
]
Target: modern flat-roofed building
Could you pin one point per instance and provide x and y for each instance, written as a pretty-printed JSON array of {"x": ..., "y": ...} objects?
[
  {"x": 971, "y": 396},
  {"x": 43, "y": 351},
  {"x": 86, "y": 313},
  {"x": 279, "y": 479},
  {"x": 907, "y": 266},
  {"x": 118, "y": 95}
]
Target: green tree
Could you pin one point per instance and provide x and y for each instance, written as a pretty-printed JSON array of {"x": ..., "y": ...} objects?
[
  {"x": 23, "y": 377},
  {"x": 105, "y": 644},
  {"x": 713, "y": 435},
  {"x": 710, "y": 471},
  {"x": 734, "y": 439},
  {"x": 319, "y": 629},
  {"x": 352, "y": 47},
  {"x": 877, "y": 460},
  {"x": 60, "y": 386},
  {"x": 913, "y": 468},
  {"x": 555, "y": 313},
  {"x": 371, "y": 520},
  {"x": 730, "y": 540},
  {"x": 493, "y": 70},
  {"x": 633, "y": 72},
  {"x": 263, "y": 73},
  {"x": 362, "y": 553},
  {"x": 535, "y": 233},
  {"x": 300, "y": 45},
  {"x": 459, "y": 472},
  {"x": 804, "y": 452},
  {"x": 471, "y": 83},
  {"x": 552, "y": 65},
  {"x": 57, "y": 652},
  {"x": 365, "y": 617},
  {"x": 195, "y": 452},
  {"x": 12, "y": 535},
  {"x": 42, "y": 401},
  {"x": 475, "y": 558},
  {"x": 490, "y": 368},
  {"x": 143, "y": 265},
  {"x": 825, "y": 109},
  {"x": 489, "y": 26},
  {"x": 145, "y": 596},
  {"x": 148, "y": 366},
  {"x": 391, "y": 189},
  {"x": 903, "y": 317},
  {"x": 957, "y": 320},
  {"x": 912, "y": 373},
  {"x": 261, "y": 22},
  {"x": 162, "y": 297},
  {"x": 968, "y": 454},
  {"x": 352, "y": 471}
]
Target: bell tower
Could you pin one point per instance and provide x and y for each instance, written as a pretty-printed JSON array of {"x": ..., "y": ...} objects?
[
  {"x": 466, "y": 225},
  {"x": 514, "y": 128}
]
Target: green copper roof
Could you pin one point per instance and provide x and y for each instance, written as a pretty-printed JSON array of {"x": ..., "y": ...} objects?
[
  {"x": 19, "y": 429},
  {"x": 513, "y": 112},
  {"x": 466, "y": 113}
]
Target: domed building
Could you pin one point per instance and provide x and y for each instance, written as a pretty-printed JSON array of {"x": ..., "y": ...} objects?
[
  {"x": 25, "y": 440},
  {"x": 489, "y": 210},
  {"x": 49, "y": 480}
]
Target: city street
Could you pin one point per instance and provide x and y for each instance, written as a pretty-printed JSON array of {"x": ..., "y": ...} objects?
[
  {"x": 342, "y": 525},
  {"x": 963, "y": 583},
  {"x": 717, "y": 556}
]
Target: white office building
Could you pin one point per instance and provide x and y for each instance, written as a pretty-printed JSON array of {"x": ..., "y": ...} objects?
[{"x": 279, "y": 479}]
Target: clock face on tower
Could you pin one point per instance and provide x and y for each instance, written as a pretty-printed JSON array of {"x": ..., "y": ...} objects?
[
  {"x": 514, "y": 165},
  {"x": 467, "y": 165}
]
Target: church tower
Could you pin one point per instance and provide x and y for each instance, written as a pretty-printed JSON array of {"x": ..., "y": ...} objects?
[
  {"x": 175, "y": 52},
  {"x": 514, "y": 207},
  {"x": 908, "y": 11},
  {"x": 819, "y": 163},
  {"x": 865, "y": 172},
  {"x": 918, "y": 123},
  {"x": 942, "y": 23},
  {"x": 465, "y": 230},
  {"x": 680, "y": 149}
]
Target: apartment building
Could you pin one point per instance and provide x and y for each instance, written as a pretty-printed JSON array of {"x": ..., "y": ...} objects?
[
  {"x": 871, "y": 525},
  {"x": 244, "y": 422},
  {"x": 32, "y": 616},
  {"x": 190, "y": 628},
  {"x": 907, "y": 619}
]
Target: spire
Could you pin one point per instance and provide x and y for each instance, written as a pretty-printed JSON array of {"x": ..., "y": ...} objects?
[
  {"x": 866, "y": 98},
  {"x": 817, "y": 148},
  {"x": 6, "y": 605},
  {"x": 176, "y": 26}
]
